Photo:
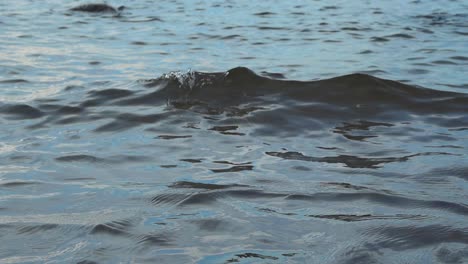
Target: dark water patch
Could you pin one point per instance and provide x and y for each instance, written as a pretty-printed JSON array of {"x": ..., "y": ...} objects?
[
  {"x": 224, "y": 128},
  {"x": 25, "y": 36},
  {"x": 234, "y": 169},
  {"x": 422, "y": 64},
  {"x": 169, "y": 137},
  {"x": 213, "y": 225},
  {"x": 11, "y": 81},
  {"x": 271, "y": 28},
  {"x": 87, "y": 262},
  {"x": 266, "y": 13},
  {"x": 269, "y": 210},
  {"x": 168, "y": 166},
  {"x": 412, "y": 237},
  {"x": 10, "y": 184},
  {"x": 192, "y": 160},
  {"x": 347, "y": 128},
  {"x": 97, "y": 8},
  {"x": 139, "y": 43},
  {"x": 250, "y": 255},
  {"x": 207, "y": 186},
  {"x": 112, "y": 93},
  {"x": 116, "y": 159},
  {"x": 379, "y": 39},
  {"x": 68, "y": 120},
  {"x": 417, "y": 58},
  {"x": 444, "y": 62},
  {"x": 400, "y": 35},
  {"x": 227, "y": 130},
  {"x": 446, "y": 146},
  {"x": 460, "y": 58},
  {"x": 362, "y": 125},
  {"x": 348, "y": 160},
  {"x": 325, "y": 8},
  {"x": 79, "y": 158},
  {"x": 459, "y": 129},
  {"x": 68, "y": 110},
  {"x": 332, "y": 41},
  {"x": 425, "y": 30},
  {"x": 232, "y": 163},
  {"x": 68, "y": 88},
  {"x": 301, "y": 168},
  {"x": 366, "y": 217},
  {"x": 355, "y": 29},
  {"x": 21, "y": 111},
  {"x": 234, "y": 36}
]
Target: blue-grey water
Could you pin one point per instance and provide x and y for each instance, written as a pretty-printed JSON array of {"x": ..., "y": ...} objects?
[{"x": 234, "y": 132}]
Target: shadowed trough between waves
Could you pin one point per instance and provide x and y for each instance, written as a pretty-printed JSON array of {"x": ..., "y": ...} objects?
[{"x": 231, "y": 166}]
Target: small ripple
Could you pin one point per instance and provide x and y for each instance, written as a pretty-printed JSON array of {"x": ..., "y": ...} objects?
[
  {"x": 207, "y": 186},
  {"x": 113, "y": 228},
  {"x": 33, "y": 229},
  {"x": 169, "y": 198},
  {"x": 155, "y": 240}
]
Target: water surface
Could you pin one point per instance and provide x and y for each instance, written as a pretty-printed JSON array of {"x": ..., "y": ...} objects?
[{"x": 234, "y": 131}]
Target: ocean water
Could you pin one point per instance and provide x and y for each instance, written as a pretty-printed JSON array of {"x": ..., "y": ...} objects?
[{"x": 234, "y": 132}]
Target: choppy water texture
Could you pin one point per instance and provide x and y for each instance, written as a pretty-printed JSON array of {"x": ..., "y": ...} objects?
[{"x": 324, "y": 147}]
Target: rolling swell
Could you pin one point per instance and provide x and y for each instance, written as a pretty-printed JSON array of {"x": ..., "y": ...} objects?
[{"x": 280, "y": 106}]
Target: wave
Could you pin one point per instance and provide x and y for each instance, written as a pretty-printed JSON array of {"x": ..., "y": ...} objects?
[{"x": 275, "y": 106}]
